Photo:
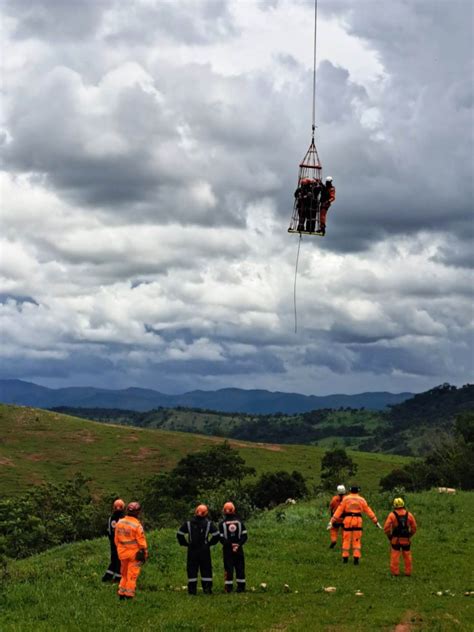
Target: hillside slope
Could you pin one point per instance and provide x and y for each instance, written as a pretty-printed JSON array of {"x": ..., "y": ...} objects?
[
  {"x": 40, "y": 445},
  {"x": 60, "y": 590}
]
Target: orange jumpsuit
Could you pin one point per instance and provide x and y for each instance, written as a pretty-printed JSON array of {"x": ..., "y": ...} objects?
[
  {"x": 327, "y": 198},
  {"x": 399, "y": 536},
  {"x": 129, "y": 539},
  {"x": 350, "y": 511},
  {"x": 333, "y": 505}
]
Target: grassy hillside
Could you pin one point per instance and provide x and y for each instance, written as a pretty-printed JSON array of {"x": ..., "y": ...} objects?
[
  {"x": 61, "y": 589},
  {"x": 38, "y": 445}
]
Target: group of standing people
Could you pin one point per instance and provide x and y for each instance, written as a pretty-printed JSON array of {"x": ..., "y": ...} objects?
[
  {"x": 313, "y": 200},
  {"x": 129, "y": 550},
  {"x": 346, "y": 514}
]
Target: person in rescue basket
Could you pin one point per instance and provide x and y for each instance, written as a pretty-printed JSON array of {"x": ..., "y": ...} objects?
[
  {"x": 350, "y": 512},
  {"x": 233, "y": 535},
  {"x": 201, "y": 535},
  {"x": 400, "y": 527},
  {"x": 333, "y": 505},
  {"x": 113, "y": 572},
  {"x": 328, "y": 195},
  {"x": 132, "y": 550}
]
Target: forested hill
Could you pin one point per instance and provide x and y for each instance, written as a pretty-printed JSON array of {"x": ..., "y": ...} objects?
[
  {"x": 240, "y": 400},
  {"x": 407, "y": 428}
]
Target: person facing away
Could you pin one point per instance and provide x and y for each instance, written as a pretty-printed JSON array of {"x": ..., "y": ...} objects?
[
  {"x": 198, "y": 535},
  {"x": 132, "y": 550},
  {"x": 333, "y": 505},
  {"x": 113, "y": 572},
  {"x": 233, "y": 536},
  {"x": 328, "y": 195},
  {"x": 303, "y": 196},
  {"x": 350, "y": 512},
  {"x": 400, "y": 526}
]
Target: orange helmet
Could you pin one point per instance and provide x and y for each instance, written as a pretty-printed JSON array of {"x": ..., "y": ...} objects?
[
  {"x": 201, "y": 510},
  {"x": 118, "y": 505},
  {"x": 133, "y": 508},
  {"x": 229, "y": 508}
]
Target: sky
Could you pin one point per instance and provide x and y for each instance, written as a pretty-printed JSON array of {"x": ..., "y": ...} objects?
[{"x": 150, "y": 152}]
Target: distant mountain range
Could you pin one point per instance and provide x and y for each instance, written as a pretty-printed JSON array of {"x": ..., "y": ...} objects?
[{"x": 224, "y": 400}]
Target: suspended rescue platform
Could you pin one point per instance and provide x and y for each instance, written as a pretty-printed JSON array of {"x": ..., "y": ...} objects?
[
  {"x": 306, "y": 218},
  {"x": 310, "y": 193}
]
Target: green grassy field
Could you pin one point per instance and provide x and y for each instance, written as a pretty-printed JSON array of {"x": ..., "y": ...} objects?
[
  {"x": 38, "y": 446},
  {"x": 61, "y": 589}
]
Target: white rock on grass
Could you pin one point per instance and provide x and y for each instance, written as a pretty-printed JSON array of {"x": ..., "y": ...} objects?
[
  {"x": 330, "y": 589},
  {"x": 263, "y": 586}
]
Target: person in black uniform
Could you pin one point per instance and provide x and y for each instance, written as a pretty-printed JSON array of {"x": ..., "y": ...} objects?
[
  {"x": 112, "y": 574},
  {"x": 202, "y": 534},
  {"x": 233, "y": 536}
]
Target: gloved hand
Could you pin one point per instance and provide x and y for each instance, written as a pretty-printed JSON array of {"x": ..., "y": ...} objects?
[
  {"x": 329, "y": 526},
  {"x": 235, "y": 548},
  {"x": 141, "y": 555},
  {"x": 378, "y": 525}
]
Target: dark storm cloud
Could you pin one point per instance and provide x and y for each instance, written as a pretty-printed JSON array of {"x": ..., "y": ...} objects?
[{"x": 58, "y": 19}]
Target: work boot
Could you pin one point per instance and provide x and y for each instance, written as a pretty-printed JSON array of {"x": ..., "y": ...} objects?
[
  {"x": 332, "y": 545},
  {"x": 345, "y": 560},
  {"x": 356, "y": 561}
]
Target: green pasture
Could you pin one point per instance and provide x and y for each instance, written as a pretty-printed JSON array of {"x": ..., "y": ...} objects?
[
  {"x": 61, "y": 589},
  {"x": 38, "y": 446}
]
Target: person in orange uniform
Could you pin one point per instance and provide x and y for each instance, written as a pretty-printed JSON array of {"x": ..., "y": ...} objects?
[
  {"x": 328, "y": 195},
  {"x": 333, "y": 505},
  {"x": 400, "y": 527},
  {"x": 132, "y": 550},
  {"x": 350, "y": 512}
]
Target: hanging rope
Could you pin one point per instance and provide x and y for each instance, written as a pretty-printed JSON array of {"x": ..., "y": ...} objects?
[
  {"x": 294, "y": 287},
  {"x": 314, "y": 64}
]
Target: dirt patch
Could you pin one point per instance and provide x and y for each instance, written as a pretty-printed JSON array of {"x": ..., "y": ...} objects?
[
  {"x": 5, "y": 461},
  {"x": 142, "y": 454},
  {"x": 409, "y": 623},
  {"x": 35, "y": 457},
  {"x": 84, "y": 436}
]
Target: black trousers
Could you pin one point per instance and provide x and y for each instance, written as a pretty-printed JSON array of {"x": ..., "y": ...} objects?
[
  {"x": 234, "y": 562},
  {"x": 199, "y": 561},
  {"x": 113, "y": 572}
]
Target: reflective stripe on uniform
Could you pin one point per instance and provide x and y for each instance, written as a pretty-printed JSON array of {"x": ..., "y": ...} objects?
[
  {"x": 206, "y": 579},
  {"x": 241, "y": 581},
  {"x": 208, "y": 528},
  {"x": 192, "y": 579},
  {"x": 214, "y": 533},
  {"x": 127, "y": 542},
  {"x": 244, "y": 531},
  {"x": 189, "y": 530},
  {"x": 109, "y": 572},
  {"x": 228, "y": 581},
  {"x": 130, "y": 524},
  {"x": 181, "y": 533}
]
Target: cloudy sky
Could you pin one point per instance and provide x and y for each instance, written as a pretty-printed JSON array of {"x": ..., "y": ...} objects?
[{"x": 149, "y": 158}]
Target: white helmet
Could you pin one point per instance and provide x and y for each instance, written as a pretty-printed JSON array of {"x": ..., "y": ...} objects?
[
  {"x": 328, "y": 178},
  {"x": 341, "y": 489}
]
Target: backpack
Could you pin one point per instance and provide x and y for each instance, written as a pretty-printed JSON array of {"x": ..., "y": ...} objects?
[{"x": 402, "y": 530}]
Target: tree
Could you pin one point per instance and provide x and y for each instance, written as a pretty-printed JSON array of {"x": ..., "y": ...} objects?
[
  {"x": 170, "y": 495},
  {"x": 274, "y": 488},
  {"x": 336, "y": 467}
]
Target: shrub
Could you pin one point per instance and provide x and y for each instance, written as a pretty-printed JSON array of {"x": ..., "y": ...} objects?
[{"x": 274, "y": 488}]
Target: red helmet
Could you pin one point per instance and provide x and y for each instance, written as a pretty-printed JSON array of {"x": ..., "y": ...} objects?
[
  {"x": 133, "y": 508},
  {"x": 229, "y": 508},
  {"x": 201, "y": 510},
  {"x": 118, "y": 505}
]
